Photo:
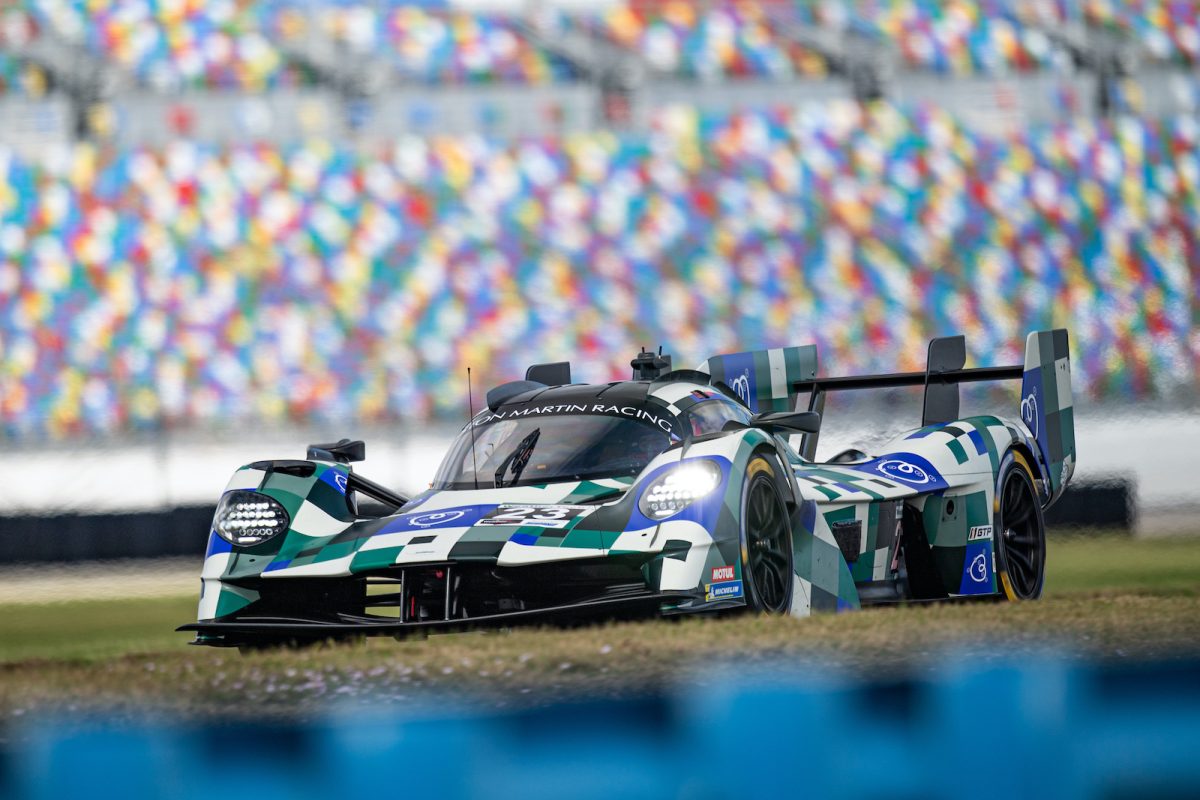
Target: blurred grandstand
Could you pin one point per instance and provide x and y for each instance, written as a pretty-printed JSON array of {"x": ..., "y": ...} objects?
[{"x": 222, "y": 213}]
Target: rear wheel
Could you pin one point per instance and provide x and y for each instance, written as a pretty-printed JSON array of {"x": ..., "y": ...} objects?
[
  {"x": 767, "y": 569},
  {"x": 1020, "y": 531}
]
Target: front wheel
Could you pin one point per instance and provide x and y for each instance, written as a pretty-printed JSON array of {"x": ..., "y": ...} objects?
[
  {"x": 1020, "y": 531},
  {"x": 766, "y": 535}
]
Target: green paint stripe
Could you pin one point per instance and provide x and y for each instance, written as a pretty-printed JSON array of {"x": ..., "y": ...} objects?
[
  {"x": 829, "y": 493},
  {"x": 375, "y": 559},
  {"x": 874, "y": 495},
  {"x": 872, "y": 532},
  {"x": 989, "y": 442},
  {"x": 960, "y": 455},
  {"x": 793, "y": 365},
  {"x": 233, "y": 598},
  {"x": 863, "y": 569},
  {"x": 841, "y": 515},
  {"x": 338, "y": 550}
]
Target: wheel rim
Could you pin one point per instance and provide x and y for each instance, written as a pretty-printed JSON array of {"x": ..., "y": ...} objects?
[
  {"x": 766, "y": 540},
  {"x": 1021, "y": 539}
]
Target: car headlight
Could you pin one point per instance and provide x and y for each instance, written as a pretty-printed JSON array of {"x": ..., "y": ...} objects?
[
  {"x": 677, "y": 488},
  {"x": 249, "y": 518}
]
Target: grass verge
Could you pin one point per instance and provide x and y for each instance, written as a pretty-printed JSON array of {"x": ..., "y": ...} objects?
[{"x": 1106, "y": 597}]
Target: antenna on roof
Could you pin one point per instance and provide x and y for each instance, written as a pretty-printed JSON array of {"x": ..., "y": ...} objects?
[{"x": 471, "y": 426}]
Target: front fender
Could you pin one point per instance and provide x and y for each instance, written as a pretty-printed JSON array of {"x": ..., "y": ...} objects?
[
  {"x": 314, "y": 495},
  {"x": 823, "y": 580}
]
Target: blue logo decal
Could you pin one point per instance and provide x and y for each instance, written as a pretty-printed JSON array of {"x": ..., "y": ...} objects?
[
  {"x": 724, "y": 591},
  {"x": 1029, "y": 411},
  {"x": 436, "y": 519},
  {"x": 335, "y": 479},
  {"x": 903, "y": 471},
  {"x": 461, "y": 517},
  {"x": 977, "y": 569},
  {"x": 740, "y": 376},
  {"x": 907, "y": 469}
]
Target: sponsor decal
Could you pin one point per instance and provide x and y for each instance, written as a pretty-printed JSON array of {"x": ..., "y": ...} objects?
[
  {"x": 978, "y": 568},
  {"x": 723, "y": 591},
  {"x": 335, "y": 479},
  {"x": 436, "y": 518},
  {"x": 741, "y": 386},
  {"x": 979, "y": 532},
  {"x": 418, "y": 520},
  {"x": 722, "y": 574},
  {"x": 904, "y": 471},
  {"x": 978, "y": 571},
  {"x": 558, "y": 517},
  {"x": 632, "y": 412},
  {"x": 1029, "y": 412}
]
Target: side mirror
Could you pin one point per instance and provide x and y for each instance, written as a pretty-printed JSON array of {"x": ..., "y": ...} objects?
[
  {"x": 787, "y": 421},
  {"x": 343, "y": 451}
]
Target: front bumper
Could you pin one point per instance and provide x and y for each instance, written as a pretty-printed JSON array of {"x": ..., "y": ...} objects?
[{"x": 250, "y": 628}]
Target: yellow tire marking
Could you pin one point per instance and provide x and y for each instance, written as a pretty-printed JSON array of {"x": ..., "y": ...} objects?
[
  {"x": 1008, "y": 590},
  {"x": 1004, "y": 581},
  {"x": 1020, "y": 459},
  {"x": 759, "y": 464}
]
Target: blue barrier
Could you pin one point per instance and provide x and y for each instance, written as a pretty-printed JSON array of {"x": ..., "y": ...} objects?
[{"x": 1042, "y": 727}]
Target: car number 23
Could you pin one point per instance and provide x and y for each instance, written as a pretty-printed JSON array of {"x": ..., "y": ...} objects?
[{"x": 535, "y": 516}]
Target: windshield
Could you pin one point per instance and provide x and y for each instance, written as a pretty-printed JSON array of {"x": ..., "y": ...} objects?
[{"x": 534, "y": 450}]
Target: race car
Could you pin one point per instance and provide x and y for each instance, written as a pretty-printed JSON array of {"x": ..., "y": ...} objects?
[{"x": 675, "y": 492}]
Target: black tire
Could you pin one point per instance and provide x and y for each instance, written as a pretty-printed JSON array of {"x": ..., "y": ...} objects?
[
  {"x": 1020, "y": 531},
  {"x": 766, "y": 535}
]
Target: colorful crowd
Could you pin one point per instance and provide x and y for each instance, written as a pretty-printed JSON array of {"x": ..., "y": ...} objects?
[
  {"x": 209, "y": 286},
  {"x": 257, "y": 44}
]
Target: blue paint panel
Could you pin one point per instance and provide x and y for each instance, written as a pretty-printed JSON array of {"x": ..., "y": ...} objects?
[
  {"x": 1033, "y": 410},
  {"x": 274, "y": 565},
  {"x": 335, "y": 478},
  {"x": 217, "y": 545},
  {"x": 808, "y": 515},
  {"x": 977, "y": 439},
  {"x": 739, "y": 376},
  {"x": 977, "y": 577},
  {"x": 921, "y": 434},
  {"x": 523, "y": 538},
  {"x": 906, "y": 469},
  {"x": 460, "y": 517}
]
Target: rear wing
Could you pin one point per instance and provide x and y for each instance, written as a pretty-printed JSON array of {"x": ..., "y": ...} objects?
[{"x": 1046, "y": 404}]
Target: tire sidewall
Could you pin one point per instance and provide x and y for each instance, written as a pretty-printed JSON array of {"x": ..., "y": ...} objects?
[
  {"x": 1014, "y": 462},
  {"x": 759, "y": 468}
]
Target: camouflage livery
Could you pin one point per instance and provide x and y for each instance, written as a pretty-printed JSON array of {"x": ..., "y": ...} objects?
[
  {"x": 763, "y": 379},
  {"x": 917, "y": 518}
]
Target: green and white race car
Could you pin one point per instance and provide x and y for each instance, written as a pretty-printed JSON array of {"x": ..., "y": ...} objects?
[{"x": 675, "y": 492}]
